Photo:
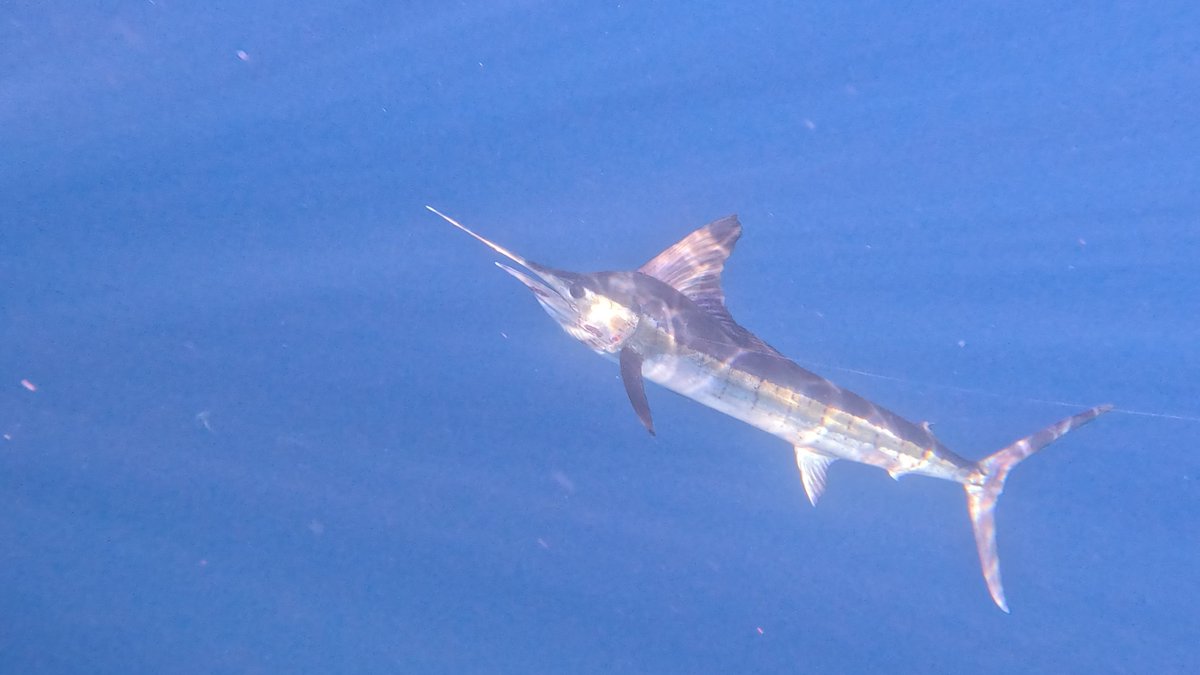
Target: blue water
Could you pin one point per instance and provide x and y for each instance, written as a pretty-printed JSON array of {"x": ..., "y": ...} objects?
[{"x": 285, "y": 420}]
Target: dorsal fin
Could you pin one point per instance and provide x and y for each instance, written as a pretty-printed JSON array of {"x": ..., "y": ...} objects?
[{"x": 693, "y": 267}]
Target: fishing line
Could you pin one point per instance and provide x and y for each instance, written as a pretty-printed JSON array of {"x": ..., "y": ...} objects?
[
  {"x": 968, "y": 390},
  {"x": 991, "y": 394}
]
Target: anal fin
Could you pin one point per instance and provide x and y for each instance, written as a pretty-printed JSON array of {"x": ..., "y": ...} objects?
[
  {"x": 812, "y": 467},
  {"x": 631, "y": 376}
]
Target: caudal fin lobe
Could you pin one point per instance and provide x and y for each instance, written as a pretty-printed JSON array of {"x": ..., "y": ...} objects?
[{"x": 981, "y": 498}]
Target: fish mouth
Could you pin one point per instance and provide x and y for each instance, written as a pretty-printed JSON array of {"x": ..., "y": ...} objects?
[
  {"x": 546, "y": 288},
  {"x": 552, "y": 288}
]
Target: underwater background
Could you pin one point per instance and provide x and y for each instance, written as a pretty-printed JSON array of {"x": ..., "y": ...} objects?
[{"x": 264, "y": 413}]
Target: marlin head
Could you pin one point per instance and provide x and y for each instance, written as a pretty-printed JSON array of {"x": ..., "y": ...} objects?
[{"x": 576, "y": 301}]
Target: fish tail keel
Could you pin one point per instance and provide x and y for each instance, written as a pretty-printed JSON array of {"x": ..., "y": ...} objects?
[{"x": 983, "y": 495}]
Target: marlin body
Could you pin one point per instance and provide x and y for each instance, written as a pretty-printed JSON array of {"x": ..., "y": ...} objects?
[{"x": 666, "y": 322}]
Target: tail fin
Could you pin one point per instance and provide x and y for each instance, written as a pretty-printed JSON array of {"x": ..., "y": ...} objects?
[{"x": 981, "y": 498}]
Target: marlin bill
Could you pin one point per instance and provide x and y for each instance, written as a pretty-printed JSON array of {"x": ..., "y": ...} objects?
[{"x": 666, "y": 322}]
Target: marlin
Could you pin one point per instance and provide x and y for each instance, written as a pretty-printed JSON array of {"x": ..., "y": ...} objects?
[{"x": 666, "y": 322}]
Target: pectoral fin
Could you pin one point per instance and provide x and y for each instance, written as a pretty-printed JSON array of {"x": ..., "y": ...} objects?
[
  {"x": 631, "y": 375},
  {"x": 812, "y": 471}
]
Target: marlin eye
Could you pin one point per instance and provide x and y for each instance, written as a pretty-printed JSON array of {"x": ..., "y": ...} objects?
[{"x": 576, "y": 291}]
